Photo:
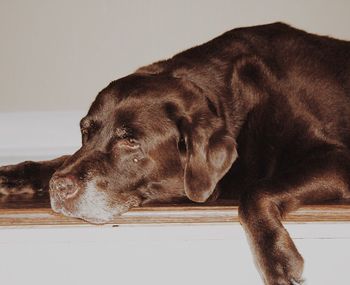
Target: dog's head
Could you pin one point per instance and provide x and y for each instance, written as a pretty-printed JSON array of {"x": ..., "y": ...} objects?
[{"x": 146, "y": 138}]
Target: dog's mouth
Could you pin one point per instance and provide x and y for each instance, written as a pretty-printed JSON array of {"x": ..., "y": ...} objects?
[
  {"x": 57, "y": 207},
  {"x": 94, "y": 210}
]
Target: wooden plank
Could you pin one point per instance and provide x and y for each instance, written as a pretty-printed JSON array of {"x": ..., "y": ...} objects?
[
  {"x": 22, "y": 210},
  {"x": 172, "y": 214}
]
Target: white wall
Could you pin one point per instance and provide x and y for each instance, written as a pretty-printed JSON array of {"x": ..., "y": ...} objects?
[
  {"x": 38, "y": 135},
  {"x": 56, "y": 55}
]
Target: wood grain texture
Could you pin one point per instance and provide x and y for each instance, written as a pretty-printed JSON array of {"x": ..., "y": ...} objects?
[{"x": 34, "y": 211}]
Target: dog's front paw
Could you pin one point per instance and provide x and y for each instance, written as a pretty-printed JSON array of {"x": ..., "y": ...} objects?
[
  {"x": 280, "y": 260},
  {"x": 20, "y": 179},
  {"x": 286, "y": 273}
]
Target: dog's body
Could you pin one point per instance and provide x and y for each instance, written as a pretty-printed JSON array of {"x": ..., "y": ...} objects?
[{"x": 261, "y": 114}]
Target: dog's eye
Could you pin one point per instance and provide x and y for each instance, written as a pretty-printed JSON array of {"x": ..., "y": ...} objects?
[
  {"x": 131, "y": 141},
  {"x": 182, "y": 145}
]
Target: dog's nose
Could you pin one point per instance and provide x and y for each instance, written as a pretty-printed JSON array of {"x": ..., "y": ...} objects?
[{"x": 65, "y": 186}]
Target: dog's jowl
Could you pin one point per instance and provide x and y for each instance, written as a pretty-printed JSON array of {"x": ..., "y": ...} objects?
[{"x": 259, "y": 113}]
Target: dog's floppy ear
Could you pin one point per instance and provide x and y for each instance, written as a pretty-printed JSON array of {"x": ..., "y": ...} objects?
[{"x": 209, "y": 155}]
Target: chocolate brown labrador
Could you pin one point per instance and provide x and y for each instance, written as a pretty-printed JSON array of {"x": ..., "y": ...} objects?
[{"x": 261, "y": 113}]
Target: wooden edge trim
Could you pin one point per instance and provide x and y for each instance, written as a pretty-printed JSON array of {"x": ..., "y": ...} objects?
[{"x": 172, "y": 214}]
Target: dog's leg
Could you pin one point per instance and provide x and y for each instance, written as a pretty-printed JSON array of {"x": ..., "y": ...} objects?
[
  {"x": 28, "y": 177},
  {"x": 321, "y": 176}
]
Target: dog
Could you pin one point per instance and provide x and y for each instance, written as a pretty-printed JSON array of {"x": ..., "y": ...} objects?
[{"x": 261, "y": 113}]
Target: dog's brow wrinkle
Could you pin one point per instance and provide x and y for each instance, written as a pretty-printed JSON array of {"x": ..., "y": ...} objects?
[{"x": 121, "y": 132}]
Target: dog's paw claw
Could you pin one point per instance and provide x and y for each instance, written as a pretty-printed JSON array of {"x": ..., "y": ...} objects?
[
  {"x": 3, "y": 188},
  {"x": 297, "y": 282},
  {"x": 3, "y": 180}
]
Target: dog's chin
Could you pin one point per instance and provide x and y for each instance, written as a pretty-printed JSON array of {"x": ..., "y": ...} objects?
[
  {"x": 95, "y": 221},
  {"x": 89, "y": 219},
  {"x": 102, "y": 217},
  {"x": 98, "y": 220}
]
